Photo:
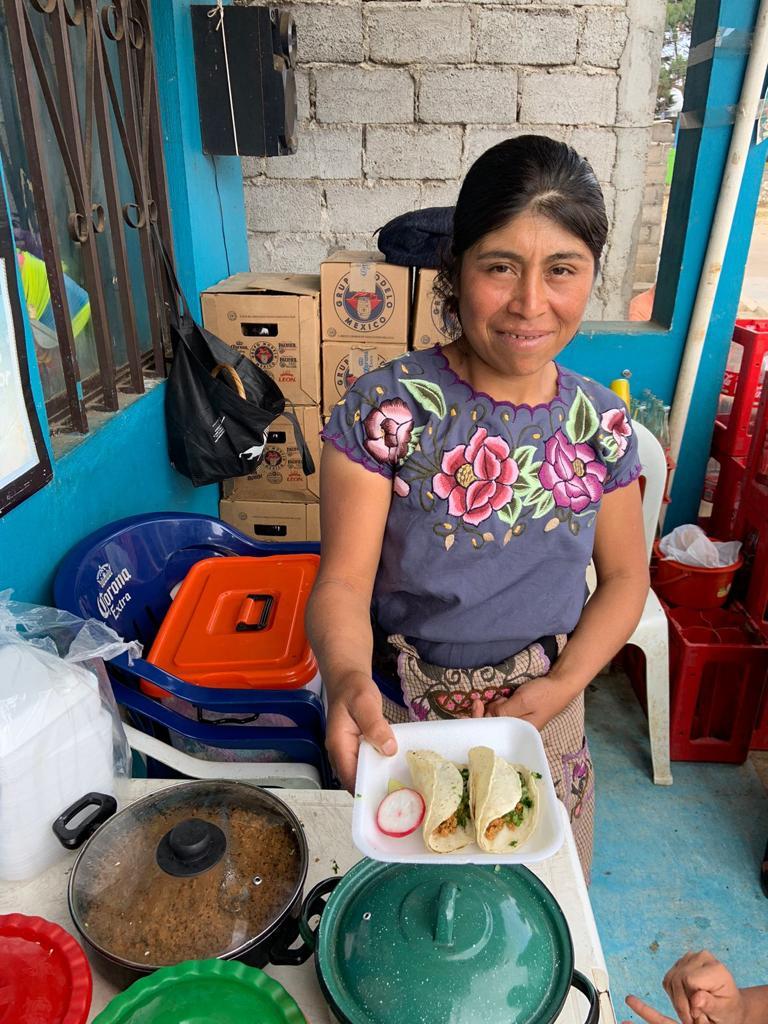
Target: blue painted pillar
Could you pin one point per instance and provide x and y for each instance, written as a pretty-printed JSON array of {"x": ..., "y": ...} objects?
[{"x": 205, "y": 192}]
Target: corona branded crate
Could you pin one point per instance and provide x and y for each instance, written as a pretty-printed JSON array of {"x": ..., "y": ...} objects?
[
  {"x": 274, "y": 320},
  {"x": 428, "y": 325},
  {"x": 364, "y": 298},
  {"x": 718, "y": 664},
  {"x": 345, "y": 362},
  {"x": 742, "y": 383},
  {"x": 282, "y": 518},
  {"x": 280, "y": 469}
]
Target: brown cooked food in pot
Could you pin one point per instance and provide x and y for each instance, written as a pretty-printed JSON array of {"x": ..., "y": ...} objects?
[{"x": 132, "y": 909}]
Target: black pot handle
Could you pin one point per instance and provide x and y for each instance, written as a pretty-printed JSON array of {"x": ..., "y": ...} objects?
[
  {"x": 71, "y": 838},
  {"x": 585, "y": 986},
  {"x": 314, "y": 903}
]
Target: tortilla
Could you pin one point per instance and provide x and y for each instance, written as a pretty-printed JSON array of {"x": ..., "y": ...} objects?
[
  {"x": 505, "y": 801},
  {"x": 441, "y": 784}
]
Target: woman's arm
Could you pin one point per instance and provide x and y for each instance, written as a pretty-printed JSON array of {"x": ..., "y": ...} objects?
[
  {"x": 608, "y": 620},
  {"x": 353, "y": 512}
]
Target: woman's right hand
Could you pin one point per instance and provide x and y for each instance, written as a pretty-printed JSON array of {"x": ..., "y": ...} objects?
[
  {"x": 354, "y": 712},
  {"x": 702, "y": 991}
]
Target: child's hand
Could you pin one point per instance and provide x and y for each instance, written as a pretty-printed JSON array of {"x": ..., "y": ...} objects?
[{"x": 702, "y": 991}]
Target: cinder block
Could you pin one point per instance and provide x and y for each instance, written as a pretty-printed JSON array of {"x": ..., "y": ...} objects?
[
  {"x": 329, "y": 32},
  {"x": 284, "y": 252},
  {"x": 568, "y": 98},
  {"x": 647, "y": 254},
  {"x": 359, "y": 209},
  {"x": 423, "y": 152},
  {"x": 439, "y": 193},
  {"x": 598, "y": 145},
  {"x": 302, "y": 94},
  {"x": 603, "y": 37},
  {"x": 363, "y": 96},
  {"x": 527, "y": 37},
  {"x": 468, "y": 96},
  {"x": 324, "y": 152},
  {"x": 405, "y": 34},
  {"x": 283, "y": 205}
]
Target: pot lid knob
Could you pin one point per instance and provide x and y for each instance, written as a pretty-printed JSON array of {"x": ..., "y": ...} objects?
[
  {"x": 191, "y": 847},
  {"x": 446, "y": 914}
]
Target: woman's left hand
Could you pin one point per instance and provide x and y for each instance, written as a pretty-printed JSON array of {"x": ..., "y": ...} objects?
[{"x": 537, "y": 701}]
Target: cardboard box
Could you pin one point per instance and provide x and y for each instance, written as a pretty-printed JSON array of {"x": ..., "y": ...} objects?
[
  {"x": 427, "y": 326},
  {"x": 344, "y": 363},
  {"x": 281, "y": 468},
  {"x": 283, "y": 518},
  {"x": 274, "y": 320},
  {"x": 364, "y": 298}
]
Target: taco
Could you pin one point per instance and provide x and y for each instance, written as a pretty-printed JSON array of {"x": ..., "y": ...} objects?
[
  {"x": 445, "y": 788},
  {"x": 505, "y": 801}
]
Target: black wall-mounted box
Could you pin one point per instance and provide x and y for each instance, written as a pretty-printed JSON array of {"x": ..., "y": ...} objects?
[{"x": 261, "y": 57}]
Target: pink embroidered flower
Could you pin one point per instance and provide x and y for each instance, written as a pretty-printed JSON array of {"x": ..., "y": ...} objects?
[
  {"x": 388, "y": 430},
  {"x": 572, "y": 473},
  {"x": 615, "y": 422},
  {"x": 477, "y": 478}
]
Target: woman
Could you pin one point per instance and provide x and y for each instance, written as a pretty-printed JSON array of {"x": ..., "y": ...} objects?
[{"x": 465, "y": 490}]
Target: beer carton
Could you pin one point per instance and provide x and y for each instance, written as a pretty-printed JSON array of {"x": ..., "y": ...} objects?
[
  {"x": 364, "y": 298},
  {"x": 427, "y": 326},
  {"x": 282, "y": 519},
  {"x": 274, "y": 320},
  {"x": 280, "y": 468},
  {"x": 345, "y": 363}
]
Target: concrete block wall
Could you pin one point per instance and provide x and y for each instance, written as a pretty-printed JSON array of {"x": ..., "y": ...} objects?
[
  {"x": 397, "y": 98},
  {"x": 653, "y": 209}
]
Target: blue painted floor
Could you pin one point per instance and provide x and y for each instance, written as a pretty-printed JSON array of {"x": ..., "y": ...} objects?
[{"x": 675, "y": 868}]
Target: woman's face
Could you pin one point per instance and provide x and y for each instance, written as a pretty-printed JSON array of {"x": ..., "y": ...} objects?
[{"x": 522, "y": 293}]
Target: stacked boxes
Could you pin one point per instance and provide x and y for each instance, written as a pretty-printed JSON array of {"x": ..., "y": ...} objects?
[
  {"x": 365, "y": 316},
  {"x": 428, "y": 327},
  {"x": 274, "y": 320}
]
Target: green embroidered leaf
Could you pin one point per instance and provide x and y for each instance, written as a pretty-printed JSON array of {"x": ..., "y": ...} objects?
[
  {"x": 540, "y": 501},
  {"x": 428, "y": 395},
  {"x": 509, "y": 513},
  {"x": 413, "y": 441},
  {"x": 524, "y": 457},
  {"x": 609, "y": 446},
  {"x": 583, "y": 420}
]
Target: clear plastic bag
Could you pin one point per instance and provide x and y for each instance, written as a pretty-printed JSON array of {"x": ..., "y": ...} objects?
[
  {"x": 689, "y": 545},
  {"x": 60, "y": 731}
]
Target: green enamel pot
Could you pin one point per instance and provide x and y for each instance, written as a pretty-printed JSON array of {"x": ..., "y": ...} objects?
[{"x": 429, "y": 944}]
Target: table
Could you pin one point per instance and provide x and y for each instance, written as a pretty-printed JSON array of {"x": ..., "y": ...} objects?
[{"x": 327, "y": 819}]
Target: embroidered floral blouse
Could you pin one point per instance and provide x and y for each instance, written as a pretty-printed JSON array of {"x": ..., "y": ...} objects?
[{"x": 492, "y": 520}]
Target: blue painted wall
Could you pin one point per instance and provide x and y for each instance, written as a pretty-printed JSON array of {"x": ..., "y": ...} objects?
[{"x": 122, "y": 468}]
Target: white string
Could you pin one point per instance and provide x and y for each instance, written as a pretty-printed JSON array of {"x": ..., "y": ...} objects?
[{"x": 219, "y": 10}]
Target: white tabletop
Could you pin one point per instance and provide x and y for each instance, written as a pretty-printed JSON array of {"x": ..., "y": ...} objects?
[{"x": 327, "y": 819}]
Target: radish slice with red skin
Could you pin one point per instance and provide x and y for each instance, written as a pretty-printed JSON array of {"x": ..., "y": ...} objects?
[{"x": 400, "y": 813}]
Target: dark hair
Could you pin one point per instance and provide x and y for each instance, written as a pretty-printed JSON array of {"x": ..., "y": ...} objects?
[{"x": 530, "y": 172}]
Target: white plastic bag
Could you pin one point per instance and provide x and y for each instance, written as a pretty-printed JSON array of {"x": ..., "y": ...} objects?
[
  {"x": 60, "y": 731},
  {"x": 691, "y": 546}
]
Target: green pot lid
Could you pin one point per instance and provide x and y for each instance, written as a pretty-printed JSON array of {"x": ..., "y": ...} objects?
[
  {"x": 214, "y": 991},
  {"x": 459, "y": 943}
]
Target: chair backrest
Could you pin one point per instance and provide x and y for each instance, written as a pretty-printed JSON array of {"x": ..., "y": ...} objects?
[
  {"x": 123, "y": 573},
  {"x": 654, "y": 474}
]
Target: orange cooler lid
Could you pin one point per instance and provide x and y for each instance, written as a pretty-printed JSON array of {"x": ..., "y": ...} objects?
[{"x": 239, "y": 622}]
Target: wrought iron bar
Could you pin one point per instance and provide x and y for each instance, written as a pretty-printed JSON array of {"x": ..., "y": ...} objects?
[{"x": 30, "y": 117}]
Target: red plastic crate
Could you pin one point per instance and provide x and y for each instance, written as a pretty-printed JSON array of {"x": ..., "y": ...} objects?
[
  {"x": 760, "y": 735},
  {"x": 718, "y": 664},
  {"x": 732, "y": 432},
  {"x": 751, "y": 585},
  {"x": 727, "y": 496}
]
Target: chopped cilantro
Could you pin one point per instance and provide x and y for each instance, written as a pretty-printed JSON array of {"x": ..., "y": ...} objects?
[
  {"x": 462, "y": 811},
  {"x": 536, "y": 775},
  {"x": 513, "y": 843}
]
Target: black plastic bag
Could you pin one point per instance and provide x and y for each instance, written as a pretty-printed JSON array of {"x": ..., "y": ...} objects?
[{"x": 218, "y": 404}]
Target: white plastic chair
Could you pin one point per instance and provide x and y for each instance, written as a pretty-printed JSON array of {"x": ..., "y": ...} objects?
[
  {"x": 272, "y": 774},
  {"x": 651, "y": 635}
]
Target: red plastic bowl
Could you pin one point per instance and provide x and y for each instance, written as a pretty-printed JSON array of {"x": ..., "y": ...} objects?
[{"x": 44, "y": 975}]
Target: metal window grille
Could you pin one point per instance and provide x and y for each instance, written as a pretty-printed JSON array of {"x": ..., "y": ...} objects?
[{"x": 85, "y": 83}]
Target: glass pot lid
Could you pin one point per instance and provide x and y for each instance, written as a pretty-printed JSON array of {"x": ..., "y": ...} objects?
[
  {"x": 464, "y": 943},
  {"x": 195, "y": 871}
]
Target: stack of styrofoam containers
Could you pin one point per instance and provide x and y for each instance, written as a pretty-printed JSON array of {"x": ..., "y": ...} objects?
[{"x": 55, "y": 746}]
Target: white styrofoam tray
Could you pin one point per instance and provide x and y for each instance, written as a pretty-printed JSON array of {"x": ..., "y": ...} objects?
[{"x": 511, "y": 738}]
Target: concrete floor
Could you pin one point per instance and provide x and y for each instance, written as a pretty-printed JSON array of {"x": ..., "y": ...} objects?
[{"x": 675, "y": 868}]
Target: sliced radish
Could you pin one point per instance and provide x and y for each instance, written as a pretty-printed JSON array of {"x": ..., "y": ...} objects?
[{"x": 400, "y": 813}]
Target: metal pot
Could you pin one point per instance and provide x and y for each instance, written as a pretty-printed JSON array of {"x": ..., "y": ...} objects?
[
  {"x": 447, "y": 942},
  {"x": 197, "y": 871}
]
